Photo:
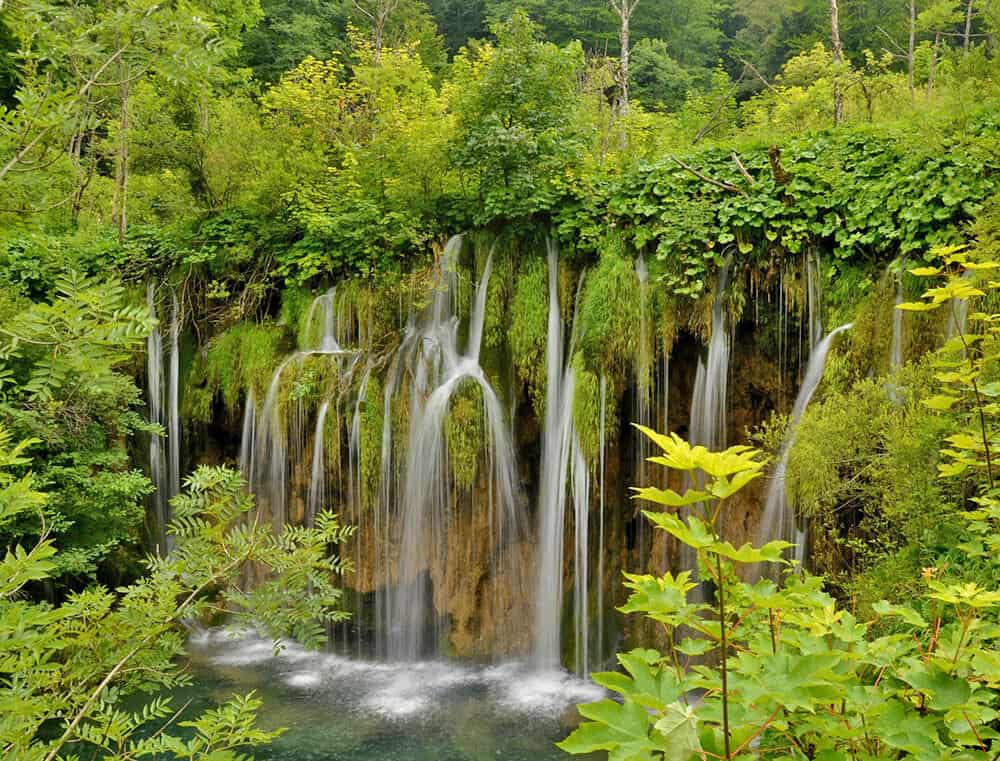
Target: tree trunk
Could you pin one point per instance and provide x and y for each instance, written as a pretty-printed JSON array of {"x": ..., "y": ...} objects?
[
  {"x": 624, "y": 60},
  {"x": 911, "y": 48},
  {"x": 934, "y": 57},
  {"x": 967, "y": 37},
  {"x": 838, "y": 58},
  {"x": 379, "y": 32},
  {"x": 121, "y": 165}
]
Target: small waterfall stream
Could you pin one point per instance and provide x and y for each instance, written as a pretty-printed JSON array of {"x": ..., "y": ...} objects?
[
  {"x": 163, "y": 399},
  {"x": 154, "y": 391},
  {"x": 428, "y": 492},
  {"x": 708, "y": 402},
  {"x": 563, "y": 464},
  {"x": 778, "y": 520},
  {"x": 556, "y": 435},
  {"x": 173, "y": 396}
]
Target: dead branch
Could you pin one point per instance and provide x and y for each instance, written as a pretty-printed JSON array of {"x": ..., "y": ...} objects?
[
  {"x": 710, "y": 180},
  {"x": 743, "y": 170}
]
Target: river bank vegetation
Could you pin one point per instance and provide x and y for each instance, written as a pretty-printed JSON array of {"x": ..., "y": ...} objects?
[{"x": 333, "y": 318}]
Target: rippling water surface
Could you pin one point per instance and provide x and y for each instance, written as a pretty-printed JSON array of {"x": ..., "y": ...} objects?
[{"x": 342, "y": 709}]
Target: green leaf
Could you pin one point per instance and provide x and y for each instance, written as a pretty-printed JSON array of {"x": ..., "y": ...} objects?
[
  {"x": 612, "y": 724},
  {"x": 679, "y": 728},
  {"x": 941, "y": 402}
]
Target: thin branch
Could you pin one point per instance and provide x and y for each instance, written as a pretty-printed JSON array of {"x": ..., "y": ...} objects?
[
  {"x": 710, "y": 180},
  {"x": 756, "y": 73},
  {"x": 42, "y": 210},
  {"x": 743, "y": 170},
  {"x": 892, "y": 40},
  {"x": 715, "y": 114}
]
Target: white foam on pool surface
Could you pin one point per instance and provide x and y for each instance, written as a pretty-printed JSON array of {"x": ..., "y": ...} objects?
[{"x": 401, "y": 690}]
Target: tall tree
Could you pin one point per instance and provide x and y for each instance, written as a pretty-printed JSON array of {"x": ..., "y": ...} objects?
[
  {"x": 73, "y": 56},
  {"x": 838, "y": 58},
  {"x": 967, "y": 36},
  {"x": 624, "y": 9},
  {"x": 378, "y": 13}
]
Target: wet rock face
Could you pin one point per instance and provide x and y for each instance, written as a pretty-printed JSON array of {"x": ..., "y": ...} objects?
[
  {"x": 486, "y": 615},
  {"x": 482, "y": 587}
]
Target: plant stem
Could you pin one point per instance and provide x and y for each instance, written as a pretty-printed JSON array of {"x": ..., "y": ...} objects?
[
  {"x": 979, "y": 400},
  {"x": 721, "y": 589}
]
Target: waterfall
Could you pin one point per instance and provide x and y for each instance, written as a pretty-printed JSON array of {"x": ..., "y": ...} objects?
[
  {"x": 814, "y": 297},
  {"x": 320, "y": 335},
  {"x": 268, "y": 474},
  {"x": 173, "y": 412},
  {"x": 602, "y": 457},
  {"x": 159, "y": 471},
  {"x": 778, "y": 520},
  {"x": 581, "y": 586},
  {"x": 248, "y": 437},
  {"x": 641, "y": 404},
  {"x": 438, "y": 370},
  {"x": 317, "y": 479},
  {"x": 562, "y": 462},
  {"x": 708, "y": 402}
]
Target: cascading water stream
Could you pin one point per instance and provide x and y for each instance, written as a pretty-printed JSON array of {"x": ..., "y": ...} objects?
[
  {"x": 316, "y": 500},
  {"x": 709, "y": 397},
  {"x": 601, "y": 547},
  {"x": 159, "y": 471},
  {"x": 173, "y": 395},
  {"x": 563, "y": 464},
  {"x": 438, "y": 370},
  {"x": 708, "y": 402},
  {"x": 548, "y": 597},
  {"x": 163, "y": 390},
  {"x": 778, "y": 520}
]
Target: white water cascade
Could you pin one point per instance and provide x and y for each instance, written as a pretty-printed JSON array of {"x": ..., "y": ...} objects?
[
  {"x": 709, "y": 397},
  {"x": 708, "y": 402},
  {"x": 163, "y": 391},
  {"x": 157, "y": 457},
  {"x": 778, "y": 520},
  {"x": 563, "y": 463},
  {"x": 438, "y": 370},
  {"x": 275, "y": 437},
  {"x": 173, "y": 406}
]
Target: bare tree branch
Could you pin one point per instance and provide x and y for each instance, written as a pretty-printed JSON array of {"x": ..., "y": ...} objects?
[
  {"x": 710, "y": 180},
  {"x": 743, "y": 170}
]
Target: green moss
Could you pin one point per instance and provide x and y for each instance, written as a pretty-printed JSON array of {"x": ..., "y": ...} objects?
[
  {"x": 498, "y": 299},
  {"x": 465, "y": 429},
  {"x": 235, "y": 363},
  {"x": 311, "y": 380},
  {"x": 608, "y": 322},
  {"x": 529, "y": 328},
  {"x": 295, "y": 303},
  {"x": 372, "y": 421},
  {"x": 197, "y": 407},
  {"x": 587, "y": 411}
]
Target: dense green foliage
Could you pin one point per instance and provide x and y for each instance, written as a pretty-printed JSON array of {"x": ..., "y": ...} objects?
[
  {"x": 67, "y": 667},
  {"x": 65, "y": 384},
  {"x": 791, "y": 675},
  {"x": 250, "y": 153}
]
